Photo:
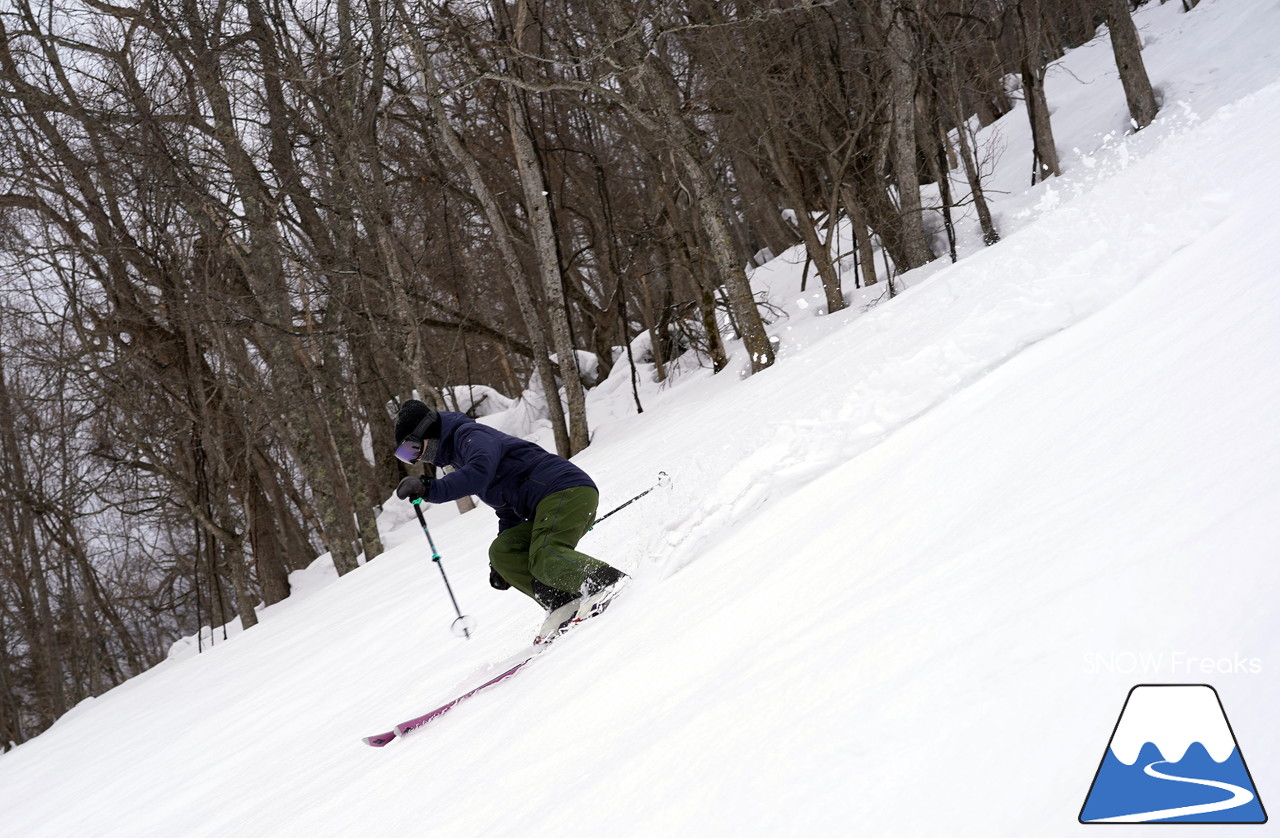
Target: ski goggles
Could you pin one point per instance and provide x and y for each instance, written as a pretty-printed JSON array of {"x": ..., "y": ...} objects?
[{"x": 410, "y": 451}]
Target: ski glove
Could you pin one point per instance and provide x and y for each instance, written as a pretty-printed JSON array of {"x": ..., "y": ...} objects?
[
  {"x": 413, "y": 488},
  {"x": 497, "y": 582}
]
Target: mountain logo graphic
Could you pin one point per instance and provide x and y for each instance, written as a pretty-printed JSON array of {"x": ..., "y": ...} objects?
[{"x": 1173, "y": 758}]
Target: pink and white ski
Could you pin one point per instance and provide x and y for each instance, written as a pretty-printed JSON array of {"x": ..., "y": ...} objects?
[
  {"x": 404, "y": 728},
  {"x": 541, "y": 645}
]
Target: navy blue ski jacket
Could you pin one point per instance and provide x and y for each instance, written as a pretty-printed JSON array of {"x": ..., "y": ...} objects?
[{"x": 508, "y": 473}]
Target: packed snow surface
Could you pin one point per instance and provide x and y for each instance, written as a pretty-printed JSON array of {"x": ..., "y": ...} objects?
[{"x": 900, "y": 583}]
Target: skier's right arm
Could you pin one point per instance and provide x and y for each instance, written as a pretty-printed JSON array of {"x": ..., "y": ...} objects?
[{"x": 480, "y": 453}]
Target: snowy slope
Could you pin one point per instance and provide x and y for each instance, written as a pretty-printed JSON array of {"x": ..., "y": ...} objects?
[{"x": 898, "y": 584}]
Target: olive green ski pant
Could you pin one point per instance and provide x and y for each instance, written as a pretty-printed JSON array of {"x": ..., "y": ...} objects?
[{"x": 545, "y": 548}]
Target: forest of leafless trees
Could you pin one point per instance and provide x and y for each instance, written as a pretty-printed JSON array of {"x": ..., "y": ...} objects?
[{"x": 235, "y": 233}]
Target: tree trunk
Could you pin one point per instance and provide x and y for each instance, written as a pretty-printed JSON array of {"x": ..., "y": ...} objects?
[
  {"x": 19, "y": 532},
  {"x": 1127, "y": 46},
  {"x": 862, "y": 233},
  {"x": 542, "y": 231},
  {"x": 761, "y": 213},
  {"x": 711, "y": 208},
  {"x": 503, "y": 237},
  {"x": 1032, "y": 67},
  {"x": 899, "y": 17},
  {"x": 990, "y": 235},
  {"x": 686, "y": 238},
  {"x": 652, "y": 98},
  {"x": 818, "y": 249}
]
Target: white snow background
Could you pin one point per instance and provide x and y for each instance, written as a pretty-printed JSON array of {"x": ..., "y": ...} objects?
[{"x": 900, "y": 584}]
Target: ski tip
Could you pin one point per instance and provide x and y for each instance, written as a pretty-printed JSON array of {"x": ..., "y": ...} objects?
[{"x": 380, "y": 740}]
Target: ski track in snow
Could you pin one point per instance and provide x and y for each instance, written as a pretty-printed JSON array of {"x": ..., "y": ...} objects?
[
  {"x": 1239, "y": 797},
  {"x": 961, "y": 324}
]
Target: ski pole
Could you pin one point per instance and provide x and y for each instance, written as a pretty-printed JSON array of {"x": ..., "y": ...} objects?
[
  {"x": 435, "y": 557},
  {"x": 663, "y": 480}
]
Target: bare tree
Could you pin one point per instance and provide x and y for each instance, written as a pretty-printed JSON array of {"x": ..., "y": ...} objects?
[
  {"x": 1032, "y": 63},
  {"x": 651, "y": 95},
  {"x": 503, "y": 236},
  {"x": 900, "y": 23},
  {"x": 1127, "y": 46},
  {"x": 520, "y": 33}
]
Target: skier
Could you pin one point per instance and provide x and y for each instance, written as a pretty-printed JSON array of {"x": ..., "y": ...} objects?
[{"x": 545, "y": 504}]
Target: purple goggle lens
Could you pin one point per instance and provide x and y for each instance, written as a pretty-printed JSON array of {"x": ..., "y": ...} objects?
[{"x": 409, "y": 451}]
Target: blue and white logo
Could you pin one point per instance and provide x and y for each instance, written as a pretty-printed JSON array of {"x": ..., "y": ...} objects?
[{"x": 1173, "y": 758}]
